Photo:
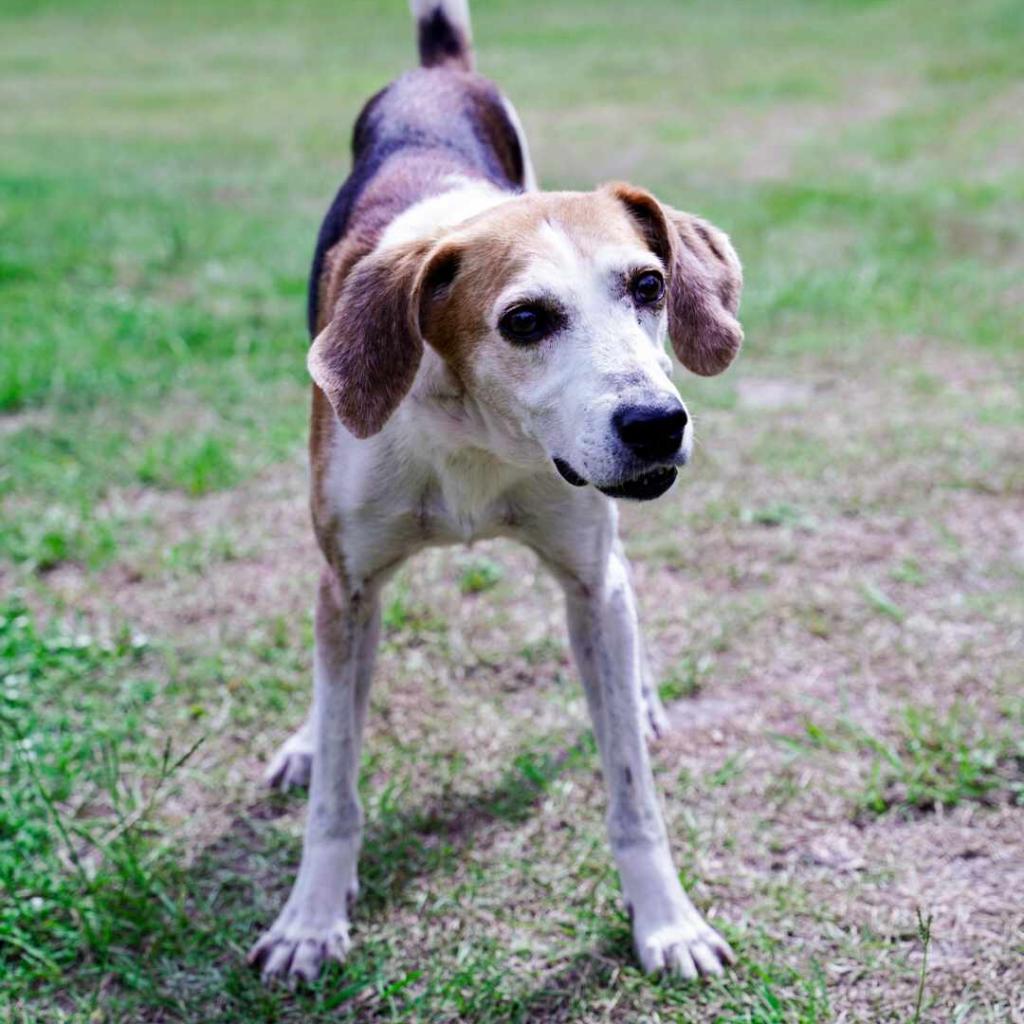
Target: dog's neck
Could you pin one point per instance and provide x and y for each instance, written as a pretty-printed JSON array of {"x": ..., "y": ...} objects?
[{"x": 473, "y": 452}]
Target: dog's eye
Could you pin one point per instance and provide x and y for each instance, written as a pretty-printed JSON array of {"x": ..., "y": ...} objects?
[
  {"x": 648, "y": 288},
  {"x": 525, "y": 324}
]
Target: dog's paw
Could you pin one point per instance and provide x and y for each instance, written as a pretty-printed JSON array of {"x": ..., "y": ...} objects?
[
  {"x": 294, "y": 952},
  {"x": 686, "y": 949},
  {"x": 292, "y": 765},
  {"x": 656, "y": 722}
]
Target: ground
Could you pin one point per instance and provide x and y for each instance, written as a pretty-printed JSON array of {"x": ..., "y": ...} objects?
[{"x": 833, "y": 593}]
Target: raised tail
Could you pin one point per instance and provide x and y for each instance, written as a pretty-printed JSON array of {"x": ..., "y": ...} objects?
[{"x": 443, "y": 31}]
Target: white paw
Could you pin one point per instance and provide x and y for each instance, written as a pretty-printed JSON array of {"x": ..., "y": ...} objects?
[
  {"x": 687, "y": 949},
  {"x": 656, "y": 722},
  {"x": 297, "y": 952},
  {"x": 292, "y": 764}
]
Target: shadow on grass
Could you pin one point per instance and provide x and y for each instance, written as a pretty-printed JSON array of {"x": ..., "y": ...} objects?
[
  {"x": 405, "y": 843},
  {"x": 588, "y": 978},
  {"x": 236, "y": 885},
  {"x": 401, "y": 843}
]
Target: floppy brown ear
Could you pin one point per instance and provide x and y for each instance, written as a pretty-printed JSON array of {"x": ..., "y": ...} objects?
[
  {"x": 704, "y": 280},
  {"x": 366, "y": 358}
]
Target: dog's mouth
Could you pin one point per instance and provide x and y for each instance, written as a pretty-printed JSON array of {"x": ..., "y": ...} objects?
[
  {"x": 568, "y": 473},
  {"x": 642, "y": 487},
  {"x": 645, "y": 487}
]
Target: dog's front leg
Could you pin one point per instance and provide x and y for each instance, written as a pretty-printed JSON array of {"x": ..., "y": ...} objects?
[
  {"x": 669, "y": 932},
  {"x": 313, "y": 926}
]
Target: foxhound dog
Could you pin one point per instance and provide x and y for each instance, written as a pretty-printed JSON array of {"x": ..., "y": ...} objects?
[{"x": 488, "y": 360}]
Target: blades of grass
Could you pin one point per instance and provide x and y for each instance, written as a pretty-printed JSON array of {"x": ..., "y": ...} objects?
[
  {"x": 924, "y": 932},
  {"x": 30, "y": 951},
  {"x": 881, "y": 602},
  {"x": 58, "y": 823}
]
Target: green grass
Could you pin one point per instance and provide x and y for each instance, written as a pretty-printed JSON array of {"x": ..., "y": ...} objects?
[
  {"x": 91, "y": 889},
  {"x": 479, "y": 575},
  {"x": 927, "y": 761},
  {"x": 164, "y": 171},
  {"x": 78, "y": 883},
  {"x": 940, "y": 761},
  {"x": 685, "y": 679},
  {"x": 191, "y": 464}
]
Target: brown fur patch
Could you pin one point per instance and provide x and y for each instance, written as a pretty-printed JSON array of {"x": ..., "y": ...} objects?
[
  {"x": 498, "y": 244},
  {"x": 704, "y": 280},
  {"x": 400, "y": 183},
  {"x": 488, "y": 258},
  {"x": 366, "y": 359},
  {"x": 596, "y": 219},
  {"x": 322, "y": 425}
]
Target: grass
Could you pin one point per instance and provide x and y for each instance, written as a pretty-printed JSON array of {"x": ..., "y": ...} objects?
[
  {"x": 925, "y": 761},
  {"x": 686, "y": 678},
  {"x": 479, "y": 575},
  {"x": 942, "y": 761},
  {"x": 76, "y": 864},
  {"x": 924, "y": 931},
  {"x": 831, "y": 597}
]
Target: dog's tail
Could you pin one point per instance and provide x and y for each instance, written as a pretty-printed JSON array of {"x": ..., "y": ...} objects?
[{"x": 445, "y": 39}]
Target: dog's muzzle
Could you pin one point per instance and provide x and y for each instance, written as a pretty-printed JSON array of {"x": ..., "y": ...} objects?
[
  {"x": 645, "y": 486},
  {"x": 652, "y": 439}
]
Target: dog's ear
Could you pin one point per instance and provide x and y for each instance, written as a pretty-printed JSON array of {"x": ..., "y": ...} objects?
[
  {"x": 704, "y": 280},
  {"x": 366, "y": 358}
]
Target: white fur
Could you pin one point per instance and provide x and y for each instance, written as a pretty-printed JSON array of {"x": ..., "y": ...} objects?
[
  {"x": 463, "y": 199},
  {"x": 566, "y": 392}
]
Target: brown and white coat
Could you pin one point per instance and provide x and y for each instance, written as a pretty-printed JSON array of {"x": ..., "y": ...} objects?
[{"x": 488, "y": 360}]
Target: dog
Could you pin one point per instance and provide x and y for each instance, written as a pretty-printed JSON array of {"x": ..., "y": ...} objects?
[{"x": 488, "y": 360}]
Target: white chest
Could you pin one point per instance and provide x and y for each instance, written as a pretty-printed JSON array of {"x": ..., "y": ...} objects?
[{"x": 386, "y": 508}]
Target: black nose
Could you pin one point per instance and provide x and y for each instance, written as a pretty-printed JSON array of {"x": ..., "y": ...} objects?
[{"x": 652, "y": 432}]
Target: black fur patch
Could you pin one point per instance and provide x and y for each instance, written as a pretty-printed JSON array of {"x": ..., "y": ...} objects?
[{"x": 440, "y": 42}]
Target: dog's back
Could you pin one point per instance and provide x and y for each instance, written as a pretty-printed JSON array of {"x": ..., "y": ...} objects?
[{"x": 438, "y": 120}]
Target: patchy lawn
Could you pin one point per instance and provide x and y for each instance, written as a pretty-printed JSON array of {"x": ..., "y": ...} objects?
[{"x": 834, "y": 593}]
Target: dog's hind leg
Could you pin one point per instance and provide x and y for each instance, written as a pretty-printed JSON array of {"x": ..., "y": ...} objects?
[
  {"x": 313, "y": 926},
  {"x": 656, "y": 722},
  {"x": 293, "y": 762}
]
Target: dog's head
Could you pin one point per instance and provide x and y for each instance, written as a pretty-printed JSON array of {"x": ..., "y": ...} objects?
[{"x": 551, "y": 309}]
